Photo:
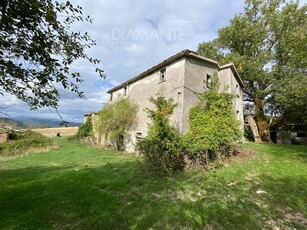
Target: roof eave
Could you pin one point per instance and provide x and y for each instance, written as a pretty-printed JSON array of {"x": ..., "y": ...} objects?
[
  {"x": 178, "y": 56},
  {"x": 152, "y": 69},
  {"x": 234, "y": 70}
]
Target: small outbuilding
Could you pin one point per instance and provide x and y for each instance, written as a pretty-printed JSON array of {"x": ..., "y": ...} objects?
[
  {"x": 4, "y": 137},
  {"x": 295, "y": 134}
]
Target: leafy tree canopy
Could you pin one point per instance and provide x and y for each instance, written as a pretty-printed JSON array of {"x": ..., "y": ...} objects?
[
  {"x": 267, "y": 43},
  {"x": 38, "y": 47}
]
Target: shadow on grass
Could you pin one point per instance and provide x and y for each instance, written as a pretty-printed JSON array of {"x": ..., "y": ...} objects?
[
  {"x": 121, "y": 195},
  {"x": 282, "y": 200}
]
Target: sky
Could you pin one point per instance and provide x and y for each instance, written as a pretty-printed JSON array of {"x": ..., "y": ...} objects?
[{"x": 131, "y": 37}]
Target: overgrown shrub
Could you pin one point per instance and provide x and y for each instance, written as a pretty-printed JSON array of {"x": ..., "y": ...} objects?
[
  {"x": 24, "y": 142},
  {"x": 162, "y": 146},
  {"x": 213, "y": 127},
  {"x": 85, "y": 130},
  {"x": 115, "y": 120}
]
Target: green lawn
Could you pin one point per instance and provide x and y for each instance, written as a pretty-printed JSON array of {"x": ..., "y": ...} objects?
[{"x": 83, "y": 187}]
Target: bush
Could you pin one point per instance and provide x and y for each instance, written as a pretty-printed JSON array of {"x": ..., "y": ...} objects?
[
  {"x": 213, "y": 127},
  {"x": 25, "y": 141},
  {"x": 115, "y": 120},
  {"x": 85, "y": 130},
  {"x": 162, "y": 146}
]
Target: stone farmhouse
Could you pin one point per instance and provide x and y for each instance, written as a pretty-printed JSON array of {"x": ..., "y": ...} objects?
[{"x": 179, "y": 77}]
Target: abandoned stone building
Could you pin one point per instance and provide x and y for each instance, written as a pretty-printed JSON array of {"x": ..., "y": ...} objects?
[{"x": 179, "y": 77}]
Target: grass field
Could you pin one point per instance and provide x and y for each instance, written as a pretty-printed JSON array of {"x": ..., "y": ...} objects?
[
  {"x": 84, "y": 187},
  {"x": 52, "y": 132}
]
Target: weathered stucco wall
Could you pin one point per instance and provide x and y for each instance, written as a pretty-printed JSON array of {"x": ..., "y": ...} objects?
[
  {"x": 149, "y": 86},
  {"x": 196, "y": 72},
  {"x": 4, "y": 137},
  {"x": 229, "y": 84}
]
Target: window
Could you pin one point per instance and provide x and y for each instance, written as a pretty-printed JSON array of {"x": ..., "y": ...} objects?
[
  {"x": 138, "y": 136},
  {"x": 111, "y": 96},
  {"x": 125, "y": 90},
  {"x": 208, "y": 81},
  {"x": 238, "y": 96},
  {"x": 162, "y": 75},
  {"x": 237, "y": 85}
]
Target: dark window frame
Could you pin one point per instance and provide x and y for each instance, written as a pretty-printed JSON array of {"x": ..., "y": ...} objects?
[
  {"x": 163, "y": 75},
  {"x": 208, "y": 80}
]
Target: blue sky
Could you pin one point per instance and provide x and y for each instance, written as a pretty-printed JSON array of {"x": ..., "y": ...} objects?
[{"x": 131, "y": 37}]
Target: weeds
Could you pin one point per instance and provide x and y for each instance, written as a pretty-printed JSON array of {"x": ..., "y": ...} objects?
[{"x": 23, "y": 142}]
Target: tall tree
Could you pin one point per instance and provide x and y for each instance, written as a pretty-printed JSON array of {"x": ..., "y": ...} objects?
[
  {"x": 38, "y": 47},
  {"x": 267, "y": 44},
  {"x": 289, "y": 92}
]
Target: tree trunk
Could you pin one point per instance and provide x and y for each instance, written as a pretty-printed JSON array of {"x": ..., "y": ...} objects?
[
  {"x": 263, "y": 125},
  {"x": 252, "y": 123}
]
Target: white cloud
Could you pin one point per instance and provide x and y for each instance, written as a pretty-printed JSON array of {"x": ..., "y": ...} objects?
[{"x": 125, "y": 56}]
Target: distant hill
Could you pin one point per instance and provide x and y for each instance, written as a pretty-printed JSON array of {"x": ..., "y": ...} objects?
[
  {"x": 33, "y": 122},
  {"x": 5, "y": 121}
]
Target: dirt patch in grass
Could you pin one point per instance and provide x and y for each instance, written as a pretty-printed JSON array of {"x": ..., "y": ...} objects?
[
  {"x": 295, "y": 217},
  {"x": 240, "y": 155},
  {"x": 287, "y": 221}
]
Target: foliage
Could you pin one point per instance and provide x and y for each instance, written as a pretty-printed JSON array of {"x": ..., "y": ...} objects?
[
  {"x": 267, "y": 43},
  {"x": 248, "y": 133},
  {"x": 213, "y": 127},
  {"x": 85, "y": 130},
  {"x": 289, "y": 98},
  {"x": 162, "y": 146},
  {"x": 211, "y": 49},
  {"x": 115, "y": 120},
  {"x": 38, "y": 47},
  {"x": 25, "y": 141}
]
